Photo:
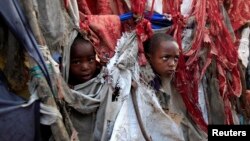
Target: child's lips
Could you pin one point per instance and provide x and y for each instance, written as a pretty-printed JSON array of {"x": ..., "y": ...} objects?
[
  {"x": 170, "y": 71},
  {"x": 86, "y": 76}
]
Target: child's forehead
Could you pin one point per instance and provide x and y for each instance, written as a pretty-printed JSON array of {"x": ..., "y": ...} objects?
[
  {"x": 79, "y": 44},
  {"x": 83, "y": 48},
  {"x": 167, "y": 45}
]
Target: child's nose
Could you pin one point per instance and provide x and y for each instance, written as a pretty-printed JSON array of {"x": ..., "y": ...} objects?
[
  {"x": 172, "y": 62},
  {"x": 84, "y": 66}
]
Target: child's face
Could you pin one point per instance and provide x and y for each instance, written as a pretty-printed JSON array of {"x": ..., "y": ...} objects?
[
  {"x": 164, "y": 58},
  {"x": 82, "y": 63}
]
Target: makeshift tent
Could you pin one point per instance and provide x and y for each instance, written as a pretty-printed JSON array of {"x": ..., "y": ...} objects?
[
  {"x": 41, "y": 83},
  {"x": 213, "y": 73}
]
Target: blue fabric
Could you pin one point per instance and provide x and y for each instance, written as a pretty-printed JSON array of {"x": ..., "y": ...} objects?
[
  {"x": 156, "y": 83},
  {"x": 158, "y": 21},
  {"x": 17, "y": 123},
  {"x": 12, "y": 15}
]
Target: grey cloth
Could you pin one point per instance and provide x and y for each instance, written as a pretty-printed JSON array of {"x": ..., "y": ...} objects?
[
  {"x": 215, "y": 101},
  {"x": 124, "y": 68},
  {"x": 96, "y": 115},
  {"x": 90, "y": 106},
  {"x": 172, "y": 103},
  {"x": 92, "y": 110}
]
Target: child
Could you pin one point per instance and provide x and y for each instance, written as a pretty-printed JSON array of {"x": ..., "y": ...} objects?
[
  {"x": 163, "y": 52},
  {"x": 90, "y": 95},
  {"x": 83, "y": 64}
]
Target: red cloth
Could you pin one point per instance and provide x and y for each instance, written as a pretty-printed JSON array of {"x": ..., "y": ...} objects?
[
  {"x": 99, "y": 22},
  {"x": 94, "y": 7},
  {"x": 226, "y": 56},
  {"x": 85, "y": 7},
  {"x": 138, "y": 6},
  {"x": 220, "y": 46},
  {"x": 103, "y": 31},
  {"x": 143, "y": 27},
  {"x": 121, "y": 7},
  {"x": 102, "y": 7},
  {"x": 187, "y": 75},
  {"x": 238, "y": 11},
  {"x": 143, "y": 31}
]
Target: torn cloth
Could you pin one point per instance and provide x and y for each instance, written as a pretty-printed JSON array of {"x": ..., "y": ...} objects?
[
  {"x": 103, "y": 32},
  {"x": 158, "y": 125},
  {"x": 17, "y": 122},
  {"x": 238, "y": 12},
  {"x": 92, "y": 110},
  {"x": 167, "y": 96},
  {"x": 123, "y": 68}
]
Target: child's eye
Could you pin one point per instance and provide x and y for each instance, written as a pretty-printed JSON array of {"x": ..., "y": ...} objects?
[
  {"x": 165, "y": 58},
  {"x": 92, "y": 59},
  {"x": 76, "y": 62},
  {"x": 176, "y": 58}
]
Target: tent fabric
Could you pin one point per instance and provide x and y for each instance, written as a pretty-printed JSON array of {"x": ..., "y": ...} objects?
[
  {"x": 101, "y": 26},
  {"x": 243, "y": 50},
  {"x": 102, "y": 7},
  {"x": 238, "y": 12},
  {"x": 14, "y": 18},
  {"x": 18, "y": 123},
  {"x": 12, "y": 15},
  {"x": 219, "y": 87},
  {"x": 207, "y": 39},
  {"x": 103, "y": 32},
  {"x": 92, "y": 110},
  {"x": 92, "y": 102},
  {"x": 12, "y": 54},
  {"x": 53, "y": 21},
  {"x": 90, "y": 106},
  {"x": 124, "y": 68}
]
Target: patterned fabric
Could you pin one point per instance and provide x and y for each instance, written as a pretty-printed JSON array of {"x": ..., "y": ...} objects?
[
  {"x": 103, "y": 32},
  {"x": 185, "y": 70},
  {"x": 98, "y": 20},
  {"x": 102, "y": 7},
  {"x": 217, "y": 39},
  {"x": 238, "y": 11},
  {"x": 95, "y": 7}
]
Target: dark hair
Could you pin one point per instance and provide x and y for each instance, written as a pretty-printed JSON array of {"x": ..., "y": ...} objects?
[
  {"x": 151, "y": 44},
  {"x": 79, "y": 39}
]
